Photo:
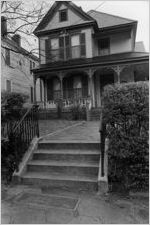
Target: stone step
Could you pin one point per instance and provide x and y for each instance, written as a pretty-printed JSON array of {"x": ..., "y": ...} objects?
[
  {"x": 68, "y": 151},
  {"x": 68, "y": 155},
  {"x": 65, "y": 182},
  {"x": 63, "y": 167},
  {"x": 46, "y": 144}
]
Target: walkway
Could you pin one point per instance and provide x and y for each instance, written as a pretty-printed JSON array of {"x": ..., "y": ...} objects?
[
  {"x": 91, "y": 209},
  {"x": 26, "y": 205},
  {"x": 76, "y": 131}
]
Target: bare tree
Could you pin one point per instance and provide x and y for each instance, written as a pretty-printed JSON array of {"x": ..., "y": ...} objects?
[
  {"x": 20, "y": 18},
  {"x": 23, "y": 19}
]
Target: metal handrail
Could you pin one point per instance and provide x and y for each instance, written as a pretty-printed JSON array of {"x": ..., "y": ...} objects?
[
  {"x": 22, "y": 119},
  {"x": 102, "y": 130}
]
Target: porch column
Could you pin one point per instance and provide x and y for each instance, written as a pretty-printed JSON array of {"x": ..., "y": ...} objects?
[
  {"x": 34, "y": 88},
  {"x": 91, "y": 87},
  {"x": 61, "y": 76},
  {"x": 44, "y": 82},
  {"x": 118, "y": 69}
]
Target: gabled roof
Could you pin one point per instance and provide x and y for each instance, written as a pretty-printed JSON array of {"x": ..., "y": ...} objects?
[
  {"x": 108, "y": 20},
  {"x": 18, "y": 49},
  {"x": 53, "y": 10}
]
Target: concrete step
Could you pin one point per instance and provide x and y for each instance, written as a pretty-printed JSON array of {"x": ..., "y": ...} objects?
[
  {"x": 62, "y": 182},
  {"x": 63, "y": 167},
  {"x": 46, "y": 144},
  {"x": 68, "y": 155}
]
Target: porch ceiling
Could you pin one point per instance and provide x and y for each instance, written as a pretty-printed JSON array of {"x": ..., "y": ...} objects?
[{"x": 96, "y": 62}]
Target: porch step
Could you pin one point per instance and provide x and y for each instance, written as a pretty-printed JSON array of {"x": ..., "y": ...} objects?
[
  {"x": 62, "y": 182},
  {"x": 69, "y": 155},
  {"x": 68, "y": 145},
  {"x": 68, "y": 165},
  {"x": 68, "y": 168}
]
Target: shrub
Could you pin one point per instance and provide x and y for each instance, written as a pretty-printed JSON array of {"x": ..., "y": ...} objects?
[
  {"x": 12, "y": 105},
  {"x": 12, "y": 111},
  {"x": 78, "y": 112},
  {"x": 126, "y": 114}
]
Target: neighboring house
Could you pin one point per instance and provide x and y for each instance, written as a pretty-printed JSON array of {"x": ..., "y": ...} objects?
[
  {"x": 16, "y": 65},
  {"x": 82, "y": 52}
]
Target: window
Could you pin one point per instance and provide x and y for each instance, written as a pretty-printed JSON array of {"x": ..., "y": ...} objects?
[
  {"x": 63, "y": 15},
  {"x": 30, "y": 65},
  {"x": 31, "y": 92},
  {"x": 8, "y": 85},
  {"x": 65, "y": 47},
  {"x": 103, "y": 46},
  {"x": 33, "y": 65},
  {"x": 7, "y": 55},
  {"x": 75, "y": 44},
  {"x": 54, "y": 49}
]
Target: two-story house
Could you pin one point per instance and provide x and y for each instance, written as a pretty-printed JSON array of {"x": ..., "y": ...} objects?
[
  {"x": 82, "y": 52},
  {"x": 16, "y": 65}
]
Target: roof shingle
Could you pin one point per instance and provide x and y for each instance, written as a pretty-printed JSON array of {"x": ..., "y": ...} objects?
[{"x": 108, "y": 20}]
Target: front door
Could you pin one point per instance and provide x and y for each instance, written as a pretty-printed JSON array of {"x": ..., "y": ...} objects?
[{"x": 106, "y": 79}]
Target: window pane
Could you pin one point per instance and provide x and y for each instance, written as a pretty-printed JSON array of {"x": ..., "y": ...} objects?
[
  {"x": 63, "y": 15},
  {"x": 75, "y": 40},
  {"x": 54, "y": 43},
  {"x": 75, "y": 52},
  {"x": 8, "y": 85},
  {"x": 7, "y": 52},
  {"x": 31, "y": 92}
]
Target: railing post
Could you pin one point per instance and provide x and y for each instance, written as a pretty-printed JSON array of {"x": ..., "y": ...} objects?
[{"x": 102, "y": 131}]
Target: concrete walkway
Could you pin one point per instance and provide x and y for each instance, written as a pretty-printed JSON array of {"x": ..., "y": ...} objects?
[
  {"x": 91, "y": 208},
  {"x": 81, "y": 131},
  {"x": 26, "y": 205}
]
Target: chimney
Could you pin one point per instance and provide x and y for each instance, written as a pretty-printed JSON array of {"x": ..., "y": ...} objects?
[
  {"x": 17, "y": 39},
  {"x": 3, "y": 26}
]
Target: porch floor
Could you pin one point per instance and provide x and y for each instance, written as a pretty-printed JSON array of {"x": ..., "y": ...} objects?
[{"x": 70, "y": 131}]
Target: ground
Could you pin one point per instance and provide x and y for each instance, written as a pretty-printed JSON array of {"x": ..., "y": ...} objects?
[
  {"x": 27, "y": 205},
  {"x": 91, "y": 208}
]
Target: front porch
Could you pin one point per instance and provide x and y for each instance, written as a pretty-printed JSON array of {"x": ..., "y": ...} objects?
[{"x": 75, "y": 83}]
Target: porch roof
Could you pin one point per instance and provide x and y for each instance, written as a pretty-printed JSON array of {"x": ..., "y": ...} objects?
[{"x": 99, "y": 61}]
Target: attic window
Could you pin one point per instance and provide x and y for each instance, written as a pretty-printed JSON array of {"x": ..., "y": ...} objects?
[{"x": 63, "y": 15}]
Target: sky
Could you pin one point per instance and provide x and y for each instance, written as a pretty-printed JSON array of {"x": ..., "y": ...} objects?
[{"x": 136, "y": 10}]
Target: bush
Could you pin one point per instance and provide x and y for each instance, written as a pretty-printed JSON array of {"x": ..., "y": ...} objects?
[
  {"x": 78, "y": 112},
  {"x": 12, "y": 105},
  {"x": 12, "y": 111},
  {"x": 126, "y": 114}
]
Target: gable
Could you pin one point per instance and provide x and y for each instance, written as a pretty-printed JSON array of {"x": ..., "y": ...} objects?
[{"x": 51, "y": 21}]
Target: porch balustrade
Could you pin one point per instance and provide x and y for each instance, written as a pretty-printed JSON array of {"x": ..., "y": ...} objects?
[
  {"x": 65, "y": 53},
  {"x": 71, "y": 97}
]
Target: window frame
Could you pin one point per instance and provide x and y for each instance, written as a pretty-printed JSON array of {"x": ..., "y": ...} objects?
[{"x": 60, "y": 15}]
